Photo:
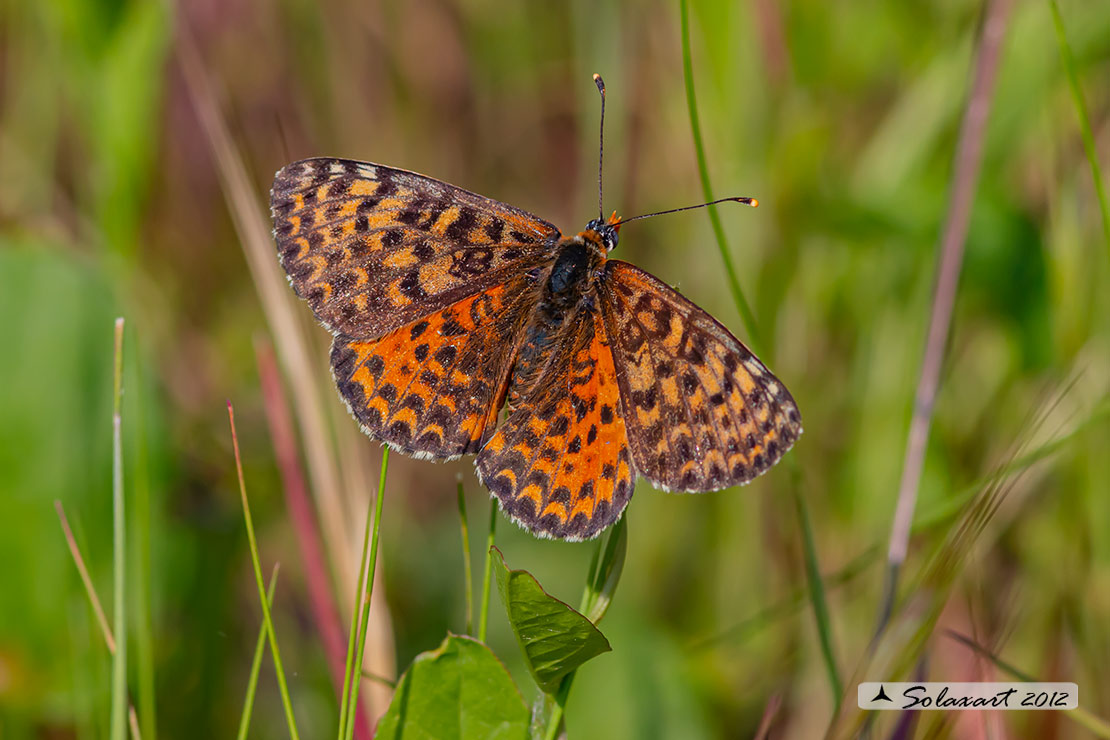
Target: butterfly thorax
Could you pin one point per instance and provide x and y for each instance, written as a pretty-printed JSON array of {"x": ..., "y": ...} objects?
[{"x": 570, "y": 286}]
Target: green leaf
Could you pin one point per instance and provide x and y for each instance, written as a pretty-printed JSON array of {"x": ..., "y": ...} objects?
[
  {"x": 459, "y": 690},
  {"x": 555, "y": 638}
]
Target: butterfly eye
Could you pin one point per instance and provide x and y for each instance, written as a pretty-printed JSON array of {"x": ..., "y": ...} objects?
[{"x": 610, "y": 237}]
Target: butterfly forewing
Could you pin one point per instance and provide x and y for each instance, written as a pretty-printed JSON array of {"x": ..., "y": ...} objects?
[
  {"x": 702, "y": 413},
  {"x": 373, "y": 248},
  {"x": 560, "y": 462}
]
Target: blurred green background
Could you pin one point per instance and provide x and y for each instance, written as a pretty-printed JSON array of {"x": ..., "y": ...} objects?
[{"x": 840, "y": 117}]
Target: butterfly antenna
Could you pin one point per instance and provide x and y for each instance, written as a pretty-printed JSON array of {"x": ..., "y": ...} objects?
[
  {"x": 746, "y": 201},
  {"x": 601, "y": 143}
]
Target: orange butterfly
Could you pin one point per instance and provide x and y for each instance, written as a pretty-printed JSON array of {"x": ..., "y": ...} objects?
[{"x": 447, "y": 306}]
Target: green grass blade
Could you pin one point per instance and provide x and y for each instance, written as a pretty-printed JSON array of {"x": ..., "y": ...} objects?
[
  {"x": 364, "y": 620},
  {"x": 813, "y": 575},
  {"x": 256, "y": 663},
  {"x": 119, "y": 552},
  {"x": 467, "y": 574},
  {"x": 287, "y": 705},
  {"x": 351, "y": 670},
  {"x": 707, "y": 189},
  {"x": 487, "y": 580},
  {"x": 1084, "y": 119},
  {"x": 817, "y": 593}
]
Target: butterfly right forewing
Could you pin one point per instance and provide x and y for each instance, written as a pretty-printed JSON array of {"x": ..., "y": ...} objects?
[{"x": 702, "y": 412}]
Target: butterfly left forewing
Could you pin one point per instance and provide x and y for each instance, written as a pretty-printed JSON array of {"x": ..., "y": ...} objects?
[
  {"x": 373, "y": 248},
  {"x": 560, "y": 463},
  {"x": 702, "y": 412}
]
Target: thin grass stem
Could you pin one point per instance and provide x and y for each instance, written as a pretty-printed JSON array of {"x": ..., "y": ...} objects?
[
  {"x": 1084, "y": 118},
  {"x": 291, "y": 343},
  {"x": 313, "y": 557},
  {"x": 90, "y": 591},
  {"x": 351, "y": 669},
  {"x": 119, "y": 552},
  {"x": 468, "y": 576},
  {"x": 968, "y": 159},
  {"x": 813, "y": 576},
  {"x": 256, "y": 663},
  {"x": 364, "y": 621},
  {"x": 817, "y": 596},
  {"x": 94, "y": 601},
  {"x": 707, "y": 189},
  {"x": 487, "y": 579},
  {"x": 287, "y": 705}
]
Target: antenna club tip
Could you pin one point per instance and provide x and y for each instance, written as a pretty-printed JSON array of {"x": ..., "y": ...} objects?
[
  {"x": 753, "y": 202},
  {"x": 600, "y": 83}
]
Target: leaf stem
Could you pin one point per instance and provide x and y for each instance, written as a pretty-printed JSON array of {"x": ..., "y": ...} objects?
[
  {"x": 468, "y": 576},
  {"x": 561, "y": 695},
  {"x": 364, "y": 621},
  {"x": 483, "y": 618}
]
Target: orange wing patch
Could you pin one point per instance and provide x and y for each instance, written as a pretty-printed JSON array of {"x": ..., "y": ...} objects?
[
  {"x": 373, "y": 248},
  {"x": 702, "y": 412},
  {"x": 560, "y": 464},
  {"x": 433, "y": 388}
]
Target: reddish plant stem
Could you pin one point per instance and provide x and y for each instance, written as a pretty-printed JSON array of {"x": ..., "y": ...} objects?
[{"x": 968, "y": 159}]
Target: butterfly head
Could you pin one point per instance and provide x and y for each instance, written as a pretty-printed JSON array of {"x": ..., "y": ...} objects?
[{"x": 606, "y": 231}]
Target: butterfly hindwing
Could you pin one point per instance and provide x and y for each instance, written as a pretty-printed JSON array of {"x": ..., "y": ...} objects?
[
  {"x": 702, "y": 413},
  {"x": 560, "y": 463},
  {"x": 433, "y": 388},
  {"x": 373, "y": 248}
]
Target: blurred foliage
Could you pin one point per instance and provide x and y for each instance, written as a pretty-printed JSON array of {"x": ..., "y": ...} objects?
[{"x": 841, "y": 118}]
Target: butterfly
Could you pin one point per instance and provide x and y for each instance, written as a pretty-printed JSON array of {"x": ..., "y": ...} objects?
[{"x": 447, "y": 307}]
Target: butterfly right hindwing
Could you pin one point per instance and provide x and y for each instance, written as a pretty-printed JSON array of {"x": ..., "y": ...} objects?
[
  {"x": 560, "y": 462},
  {"x": 702, "y": 413}
]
